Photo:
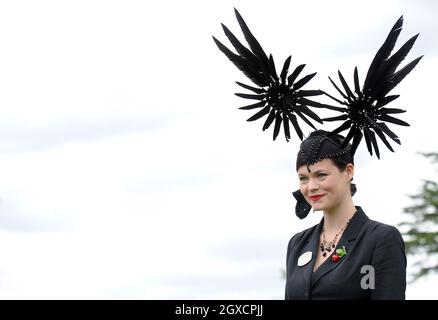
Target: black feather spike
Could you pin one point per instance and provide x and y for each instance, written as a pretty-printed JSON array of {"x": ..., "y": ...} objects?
[
  {"x": 286, "y": 128},
  {"x": 383, "y": 138},
  {"x": 342, "y": 127},
  {"x": 254, "y": 106},
  {"x": 383, "y": 53},
  {"x": 356, "y": 140},
  {"x": 341, "y": 117},
  {"x": 269, "y": 119},
  {"x": 389, "y": 67},
  {"x": 244, "y": 52},
  {"x": 385, "y": 100},
  {"x": 278, "y": 120},
  {"x": 337, "y": 88},
  {"x": 255, "y": 46},
  {"x": 356, "y": 82},
  {"x": 364, "y": 110},
  {"x": 250, "y": 96},
  {"x": 285, "y": 70},
  {"x": 300, "y": 114},
  {"x": 400, "y": 75},
  {"x": 255, "y": 90},
  {"x": 387, "y": 118},
  {"x": 308, "y": 93},
  {"x": 294, "y": 74},
  {"x": 388, "y": 132},
  {"x": 303, "y": 81},
  {"x": 320, "y": 105},
  {"x": 368, "y": 141},
  {"x": 294, "y": 121},
  {"x": 272, "y": 69},
  {"x": 349, "y": 136},
  {"x": 279, "y": 96},
  {"x": 372, "y": 137},
  {"x": 242, "y": 65},
  {"x": 350, "y": 94},
  {"x": 390, "y": 110},
  {"x": 304, "y": 109},
  {"x": 259, "y": 114}
]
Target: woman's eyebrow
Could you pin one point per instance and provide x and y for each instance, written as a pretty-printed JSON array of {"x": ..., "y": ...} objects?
[{"x": 317, "y": 172}]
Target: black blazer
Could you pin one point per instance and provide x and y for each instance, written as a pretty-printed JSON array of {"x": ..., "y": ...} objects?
[{"x": 367, "y": 243}]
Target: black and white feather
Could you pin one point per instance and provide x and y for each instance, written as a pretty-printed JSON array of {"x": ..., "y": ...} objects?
[
  {"x": 365, "y": 113},
  {"x": 279, "y": 97}
]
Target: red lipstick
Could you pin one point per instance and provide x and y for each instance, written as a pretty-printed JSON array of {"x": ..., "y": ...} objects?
[{"x": 316, "y": 197}]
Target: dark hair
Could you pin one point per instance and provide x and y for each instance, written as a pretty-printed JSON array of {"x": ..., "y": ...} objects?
[{"x": 321, "y": 145}]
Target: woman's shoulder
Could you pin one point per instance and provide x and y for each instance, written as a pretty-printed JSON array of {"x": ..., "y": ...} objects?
[
  {"x": 383, "y": 233},
  {"x": 302, "y": 235},
  {"x": 382, "y": 228},
  {"x": 374, "y": 226}
]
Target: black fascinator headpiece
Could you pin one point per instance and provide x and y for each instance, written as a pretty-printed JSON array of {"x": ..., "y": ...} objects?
[
  {"x": 323, "y": 145},
  {"x": 365, "y": 113},
  {"x": 279, "y": 97}
]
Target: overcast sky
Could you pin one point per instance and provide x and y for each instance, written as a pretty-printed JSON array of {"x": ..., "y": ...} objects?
[{"x": 127, "y": 170}]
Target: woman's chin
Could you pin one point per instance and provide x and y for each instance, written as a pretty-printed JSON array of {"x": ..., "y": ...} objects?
[{"x": 318, "y": 207}]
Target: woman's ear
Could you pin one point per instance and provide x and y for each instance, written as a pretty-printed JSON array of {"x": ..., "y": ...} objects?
[{"x": 349, "y": 169}]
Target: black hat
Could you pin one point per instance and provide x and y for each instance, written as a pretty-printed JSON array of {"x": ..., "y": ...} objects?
[
  {"x": 282, "y": 98},
  {"x": 323, "y": 145}
]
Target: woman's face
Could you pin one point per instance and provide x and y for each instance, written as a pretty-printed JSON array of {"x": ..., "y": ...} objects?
[{"x": 325, "y": 186}]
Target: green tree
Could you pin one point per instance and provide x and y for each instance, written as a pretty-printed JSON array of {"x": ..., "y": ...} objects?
[{"x": 420, "y": 229}]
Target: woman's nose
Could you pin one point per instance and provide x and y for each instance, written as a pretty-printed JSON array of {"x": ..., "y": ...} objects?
[{"x": 313, "y": 185}]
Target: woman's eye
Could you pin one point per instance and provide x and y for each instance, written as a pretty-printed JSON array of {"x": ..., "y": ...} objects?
[
  {"x": 303, "y": 179},
  {"x": 321, "y": 175}
]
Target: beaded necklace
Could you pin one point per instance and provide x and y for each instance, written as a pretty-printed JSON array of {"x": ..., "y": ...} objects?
[{"x": 328, "y": 246}]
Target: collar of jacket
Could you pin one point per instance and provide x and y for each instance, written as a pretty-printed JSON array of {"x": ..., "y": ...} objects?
[{"x": 353, "y": 230}]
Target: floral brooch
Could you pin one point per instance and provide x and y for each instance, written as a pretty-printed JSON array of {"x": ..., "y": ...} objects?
[{"x": 339, "y": 254}]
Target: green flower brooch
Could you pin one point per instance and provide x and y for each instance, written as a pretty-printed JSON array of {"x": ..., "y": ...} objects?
[{"x": 339, "y": 254}]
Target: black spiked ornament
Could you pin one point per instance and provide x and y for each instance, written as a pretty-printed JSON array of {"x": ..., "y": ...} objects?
[
  {"x": 365, "y": 113},
  {"x": 279, "y": 97}
]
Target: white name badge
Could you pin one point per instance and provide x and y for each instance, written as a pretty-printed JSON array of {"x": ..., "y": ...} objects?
[{"x": 304, "y": 258}]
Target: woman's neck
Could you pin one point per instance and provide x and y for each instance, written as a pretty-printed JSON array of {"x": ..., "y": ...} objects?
[{"x": 335, "y": 218}]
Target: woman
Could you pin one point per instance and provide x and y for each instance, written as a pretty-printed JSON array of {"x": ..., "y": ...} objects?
[{"x": 347, "y": 255}]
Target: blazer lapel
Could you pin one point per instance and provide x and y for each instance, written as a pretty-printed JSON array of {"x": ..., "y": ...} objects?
[
  {"x": 312, "y": 244},
  {"x": 347, "y": 240}
]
